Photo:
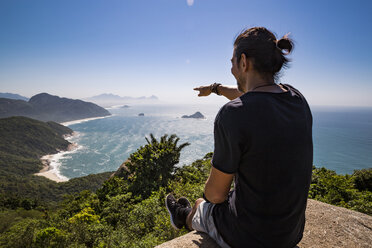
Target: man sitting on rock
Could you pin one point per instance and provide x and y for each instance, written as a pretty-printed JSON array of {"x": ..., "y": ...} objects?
[{"x": 263, "y": 140}]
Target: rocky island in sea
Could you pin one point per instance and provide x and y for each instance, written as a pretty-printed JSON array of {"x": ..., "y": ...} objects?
[
  {"x": 197, "y": 115},
  {"x": 45, "y": 107}
]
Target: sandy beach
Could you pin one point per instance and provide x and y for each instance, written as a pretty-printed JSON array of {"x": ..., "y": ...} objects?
[
  {"x": 68, "y": 123},
  {"x": 49, "y": 170}
]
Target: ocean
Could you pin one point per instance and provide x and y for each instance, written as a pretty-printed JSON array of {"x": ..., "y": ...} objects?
[{"x": 342, "y": 137}]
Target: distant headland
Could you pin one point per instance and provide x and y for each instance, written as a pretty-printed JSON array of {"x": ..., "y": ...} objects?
[
  {"x": 46, "y": 107},
  {"x": 108, "y": 100},
  {"x": 13, "y": 96}
]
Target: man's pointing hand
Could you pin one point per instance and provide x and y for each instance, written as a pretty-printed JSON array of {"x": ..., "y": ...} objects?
[{"x": 204, "y": 90}]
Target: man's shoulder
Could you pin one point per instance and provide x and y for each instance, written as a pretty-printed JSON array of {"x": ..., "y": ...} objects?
[
  {"x": 232, "y": 106},
  {"x": 231, "y": 111},
  {"x": 293, "y": 90},
  {"x": 242, "y": 104}
]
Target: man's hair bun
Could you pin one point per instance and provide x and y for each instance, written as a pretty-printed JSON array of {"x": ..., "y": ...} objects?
[
  {"x": 285, "y": 43},
  {"x": 268, "y": 53}
]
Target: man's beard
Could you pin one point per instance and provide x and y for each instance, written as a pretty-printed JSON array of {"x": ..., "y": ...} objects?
[{"x": 239, "y": 86}]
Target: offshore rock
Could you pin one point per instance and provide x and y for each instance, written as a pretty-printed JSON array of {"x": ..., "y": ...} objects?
[{"x": 197, "y": 115}]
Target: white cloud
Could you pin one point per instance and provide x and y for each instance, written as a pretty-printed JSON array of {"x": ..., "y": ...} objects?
[
  {"x": 188, "y": 61},
  {"x": 190, "y": 2}
]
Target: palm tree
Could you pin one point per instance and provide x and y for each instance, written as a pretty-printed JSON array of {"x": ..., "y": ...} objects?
[{"x": 152, "y": 165}]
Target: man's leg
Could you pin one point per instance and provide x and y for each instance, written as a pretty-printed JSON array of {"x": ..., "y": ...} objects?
[
  {"x": 201, "y": 219},
  {"x": 200, "y": 216},
  {"x": 180, "y": 211},
  {"x": 192, "y": 213}
]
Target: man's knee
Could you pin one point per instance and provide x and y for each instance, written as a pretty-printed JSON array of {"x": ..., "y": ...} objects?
[
  {"x": 192, "y": 213},
  {"x": 198, "y": 201}
]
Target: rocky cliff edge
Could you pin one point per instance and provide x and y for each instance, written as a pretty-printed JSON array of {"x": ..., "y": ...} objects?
[{"x": 326, "y": 226}]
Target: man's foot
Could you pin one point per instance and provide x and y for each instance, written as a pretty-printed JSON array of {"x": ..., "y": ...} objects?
[
  {"x": 184, "y": 202},
  {"x": 173, "y": 208}
]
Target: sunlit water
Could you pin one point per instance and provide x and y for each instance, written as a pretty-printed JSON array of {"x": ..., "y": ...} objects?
[{"x": 342, "y": 137}]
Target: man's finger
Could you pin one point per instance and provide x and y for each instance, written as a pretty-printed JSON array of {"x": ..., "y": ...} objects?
[{"x": 197, "y": 88}]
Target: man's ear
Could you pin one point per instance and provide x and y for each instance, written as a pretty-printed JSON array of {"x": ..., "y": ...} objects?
[{"x": 244, "y": 62}]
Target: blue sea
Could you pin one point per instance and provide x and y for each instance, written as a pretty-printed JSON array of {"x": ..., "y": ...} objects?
[{"x": 342, "y": 137}]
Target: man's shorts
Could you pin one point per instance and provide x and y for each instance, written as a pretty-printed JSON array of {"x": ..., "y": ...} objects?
[{"x": 203, "y": 222}]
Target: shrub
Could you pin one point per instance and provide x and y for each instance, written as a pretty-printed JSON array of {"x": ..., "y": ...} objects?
[
  {"x": 363, "y": 179},
  {"x": 51, "y": 237},
  {"x": 342, "y": 190},
  {"x": 152, "y": 165},
  {"x": 21, "y": 234}
]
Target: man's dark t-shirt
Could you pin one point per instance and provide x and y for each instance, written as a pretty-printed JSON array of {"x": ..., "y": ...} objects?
[{"x": 265, "y": 139}]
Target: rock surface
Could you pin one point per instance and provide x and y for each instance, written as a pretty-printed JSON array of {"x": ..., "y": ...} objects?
[
  {"x": 123, "y": 171},
  {"x": 326, "y": 226}
]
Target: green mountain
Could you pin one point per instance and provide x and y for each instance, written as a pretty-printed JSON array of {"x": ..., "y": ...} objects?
[
  {"x": 26, "y": 137},
  {"x": 22, "y": 142},
  {"x": 46, "y": 107}
]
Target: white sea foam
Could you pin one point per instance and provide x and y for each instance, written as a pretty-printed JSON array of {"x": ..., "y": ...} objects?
[
  {"x": 69, "y": 123},
  {"x": 54, "y": 160},
  {"x": 74, "y": 135}
]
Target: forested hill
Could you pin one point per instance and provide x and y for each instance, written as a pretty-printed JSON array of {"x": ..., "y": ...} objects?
[
  {"x": 28, "y": 138},
  {"x": 46, "y": 107},
  {"x": 22, "y": 142}
]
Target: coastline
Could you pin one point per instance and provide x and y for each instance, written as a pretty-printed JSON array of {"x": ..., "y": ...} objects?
[{"x": 50, "y": 162}]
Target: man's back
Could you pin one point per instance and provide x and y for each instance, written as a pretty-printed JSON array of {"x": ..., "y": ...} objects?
[{"x": 265, "y": 139}]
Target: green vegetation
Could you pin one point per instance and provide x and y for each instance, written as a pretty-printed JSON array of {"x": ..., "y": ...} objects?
[
  {"x": 152, "y": 165},
  {"x": 128, "y": 210},
  {"x": 28, "y": 138},
  {"x": 348, "y": 191}
]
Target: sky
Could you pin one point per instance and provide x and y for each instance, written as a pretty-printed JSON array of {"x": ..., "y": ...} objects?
[{"x": 82, "y": 48}]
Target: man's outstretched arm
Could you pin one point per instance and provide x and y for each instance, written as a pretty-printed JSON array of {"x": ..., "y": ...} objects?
[
  {"x": 217, "y": 186},
  {"x": 229, "y": 92}
]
